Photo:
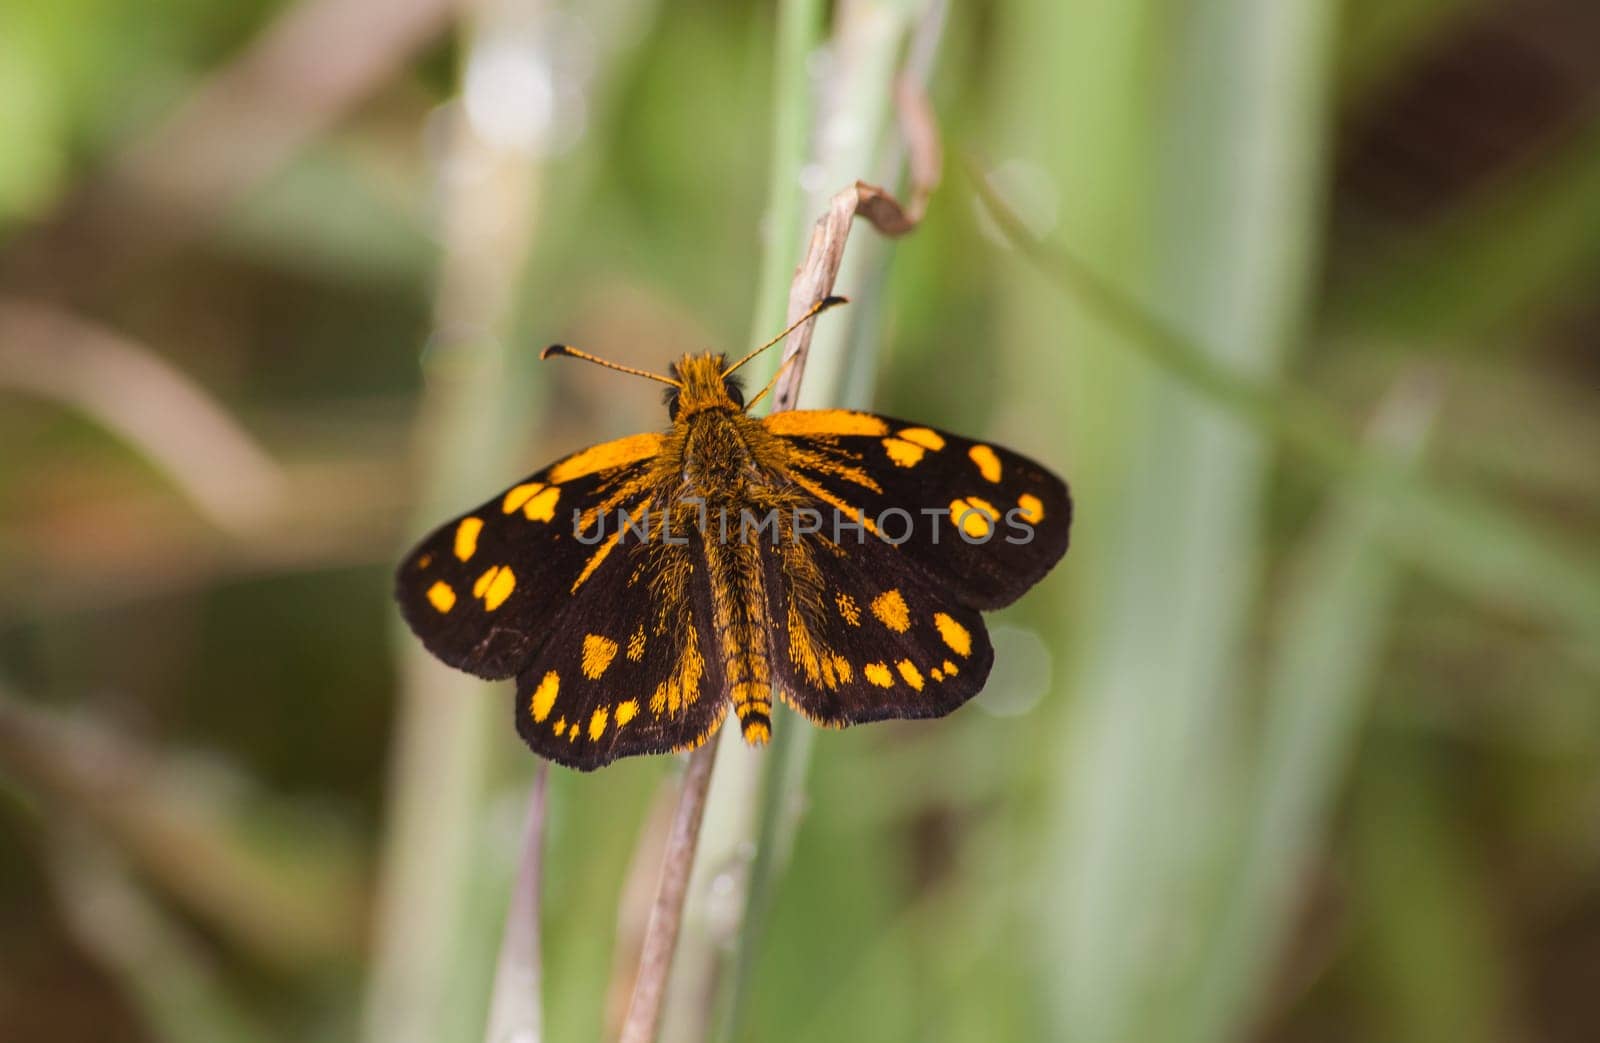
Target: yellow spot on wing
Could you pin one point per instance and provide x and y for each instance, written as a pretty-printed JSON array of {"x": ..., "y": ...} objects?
[
  {"x": 467, "y": 537},
  {"x": 636, "y": 645},
  {"x": 494, "y": 586},
  {"x": 441, "y": 596},
  {"x": 1029, "y": 508},
  {"x": 849, "y": 609},
  {"x": 955, "y": 635},
  {"x": 988, "y": 463},
  {"x": 841, "y": 668},
  {"x": 975, "y": 516},
  {"x": 626, "y": 711},
  {"x": 597, "y": 655},
  {"x": 561, "y": 727},
  {"x": 950, "y": 668},
  {"x": 909, "y": 671},
  {"x": 544, "y": 696},
  {"x": 878, "y": 674},
  {"x": 518, "y": 496},
  {"x": 890, "y": 608},
  {"x": 424, "y": 561},
  {"x": 597, "y": 724},
  {"x": 925, "y": 438},
  {"x": 605, "y": 456},
  {"x": 825, "y": 422},
  {"x": 903, "y": 453},
  {"x": 542, "y": 507}
]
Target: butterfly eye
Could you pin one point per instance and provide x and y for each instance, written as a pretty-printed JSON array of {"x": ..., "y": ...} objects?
[
  {"x": 672, "y": 403},
  {"x": 735, "y": 392}
]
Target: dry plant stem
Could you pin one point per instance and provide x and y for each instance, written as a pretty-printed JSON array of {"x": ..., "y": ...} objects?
[
  {"x": 661, "y": 937},
  {"x": 817, "y": 273},
  {"x": 132, "y": 392},
  {"x": 515, "y": 1009}
]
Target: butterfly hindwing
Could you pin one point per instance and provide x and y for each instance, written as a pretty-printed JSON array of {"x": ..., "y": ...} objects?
[
  {"x": 860, "y": 635},
  {"x": 484, "y": 590},
  {"x": 983, "y": 523},
  {"x": 630, "y": 665}
]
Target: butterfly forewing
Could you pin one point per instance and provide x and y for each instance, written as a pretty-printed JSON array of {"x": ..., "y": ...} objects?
[
  {"x": 484, "y": 591},
  {"x": 984, "y": 523}
]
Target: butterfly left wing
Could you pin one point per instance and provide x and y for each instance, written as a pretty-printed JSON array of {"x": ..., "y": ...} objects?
[
  {"x": 484, "y": 590},
  {"x": 860, "y": 635},
  {"x": 979, "y": 520}
]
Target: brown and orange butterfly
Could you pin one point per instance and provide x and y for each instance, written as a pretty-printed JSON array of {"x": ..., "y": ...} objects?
[{"x": 641, "y": 588}]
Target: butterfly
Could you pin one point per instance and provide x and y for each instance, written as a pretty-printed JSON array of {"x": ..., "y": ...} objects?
[{"x": 640, "y": 589}]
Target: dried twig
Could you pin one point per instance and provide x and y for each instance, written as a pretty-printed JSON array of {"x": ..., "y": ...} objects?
[
  {"x": 661, "y": 938},
  {"x": 817, "y": 273},
  {"x": 515, "y": 1010},
  {"x": 129, "y": 390}
]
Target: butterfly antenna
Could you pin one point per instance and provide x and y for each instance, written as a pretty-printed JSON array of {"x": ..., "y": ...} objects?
[
  {"x": 815, "y": 310},
  {"x": 771, "y": 383},
  {"x": 563, "y": 349}
]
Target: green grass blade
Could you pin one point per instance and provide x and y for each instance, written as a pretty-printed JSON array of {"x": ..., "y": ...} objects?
[{"x": 1319, "y": 675}]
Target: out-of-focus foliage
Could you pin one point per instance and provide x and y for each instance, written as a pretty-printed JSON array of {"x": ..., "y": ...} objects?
[{"x": 1229, "y": 682}]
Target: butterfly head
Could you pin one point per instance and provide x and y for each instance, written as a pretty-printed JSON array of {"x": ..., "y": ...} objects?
[{"x": 702, "y": 384}]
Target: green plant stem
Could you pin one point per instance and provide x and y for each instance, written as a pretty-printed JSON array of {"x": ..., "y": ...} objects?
[
  {"x": 1318, "y": 677},
  {"x": 433, "y": 966},
  {"x": 1463, "y": 539},
  {"x": 783, "y": 224}
]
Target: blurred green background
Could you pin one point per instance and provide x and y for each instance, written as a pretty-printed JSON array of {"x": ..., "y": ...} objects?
[{"x": 1301, "y": 742}]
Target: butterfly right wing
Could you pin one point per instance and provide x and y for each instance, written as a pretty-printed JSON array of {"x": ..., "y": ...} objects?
[
  {"x": 861, "y": 634},
  {"x": 485, "y": 590},
  {"x": 980, "y": 520}
]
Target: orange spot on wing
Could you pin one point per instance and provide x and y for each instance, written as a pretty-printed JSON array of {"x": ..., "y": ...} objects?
[
  {"x": 441, "y": 597},
  {"x": 955, "y": 636},
  {"x": 988, "y": 463},
  {"x": 924, "y": 437},
  {"x": 606, "y": 456},
  {"x": 467, "y": 537},
  {"x": 824, "y": 422},
  {"x": 891, "y": 610},
  {"x": 544, "y": 696}
]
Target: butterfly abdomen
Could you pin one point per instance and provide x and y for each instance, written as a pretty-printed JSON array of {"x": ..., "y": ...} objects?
[{"x": 738, "y": 604}]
